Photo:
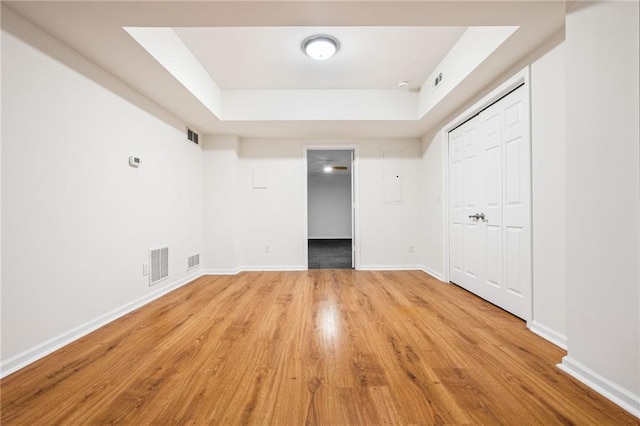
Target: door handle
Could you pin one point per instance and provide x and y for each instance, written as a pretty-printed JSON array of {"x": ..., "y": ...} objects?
[{"x": 478, "y": 216}]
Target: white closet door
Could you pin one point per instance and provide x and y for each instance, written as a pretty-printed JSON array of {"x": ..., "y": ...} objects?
[
  {"x": 462, "y": 169},
  {"x": 489, "y": 205},
  {"x": 516, "y": 206}
]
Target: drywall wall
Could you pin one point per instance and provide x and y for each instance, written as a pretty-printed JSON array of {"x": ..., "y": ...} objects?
[
  {"x": 390, "y": 234},
  {"x": 473, "y": 47},
  {"x": 603, "y": 197},
  {"x": 170, "y": 51},
  {"x": 433, "y": 214},
  {"x": 548, "y": 104},
  {"x": 273, "y": 217},
  {"x": 309, "y": 104},
  {"x": 329, "y": 205},
  {"x": 77, "y": 220},
  {"x": 272, "y": 212},
  {"x": 220, "y": 202}
]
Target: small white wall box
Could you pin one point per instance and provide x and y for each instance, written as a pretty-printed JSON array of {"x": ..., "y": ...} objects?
[{"x": 134, "y": 161}]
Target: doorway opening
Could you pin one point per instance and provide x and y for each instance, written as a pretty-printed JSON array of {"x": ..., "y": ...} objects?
[{"x": 330, "y": 209}]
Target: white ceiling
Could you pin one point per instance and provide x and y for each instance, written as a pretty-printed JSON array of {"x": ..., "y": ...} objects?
[
  {"x": 95, "y": 30},
  {"x": 272, "y": 57}
]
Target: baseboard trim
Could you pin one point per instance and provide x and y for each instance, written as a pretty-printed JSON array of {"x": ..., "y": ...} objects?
[
  {"x": 329, "y": 238},
  {"x": 390, "y": 268},
  {"x": 433, "y": 273},
  {"x": 280, "y": 268},
  {"x": 235, "y": 271},
  {"x": 30, "y": 356},
  {"x": 605, "y": 387},
  {"x": 549, "y": 334}
]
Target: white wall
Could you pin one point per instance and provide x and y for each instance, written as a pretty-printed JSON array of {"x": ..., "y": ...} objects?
[
  {"x": 389, "y": 230},
  {"x": 271, "y": 234},
  {"x": 272, "y": 220},
  {"x": 311, "y": 104},
  {"x": 548, "y": 104},
  {"x": 329, "y": 205},
  {"x": 473, "y": 47},
  {"x": 603, "y": 197},
  {"x": 433, "y": 221},
  {"x": 221, "y": 205},
  {"x": 77, "y": 220}
]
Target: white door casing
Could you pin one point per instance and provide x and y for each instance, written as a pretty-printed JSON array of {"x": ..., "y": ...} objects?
[
  {"x": 355, "y": 197},
  {"x": 489, "y": 204},
  {"x": 353, "y": 210}
]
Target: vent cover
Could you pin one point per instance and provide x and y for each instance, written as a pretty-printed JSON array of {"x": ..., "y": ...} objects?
[
  {"x": 159, "y": 265},
  {"x": 438, "y": 80},
  {"x": 192, "y": 136},
  {"x": 193, "y": 261}
]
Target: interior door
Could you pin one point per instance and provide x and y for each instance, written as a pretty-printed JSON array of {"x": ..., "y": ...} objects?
[
  {"x": 465, "y": 170},
  {"x": 516, "y": 204},
  {"x": 489, "y": 201}
]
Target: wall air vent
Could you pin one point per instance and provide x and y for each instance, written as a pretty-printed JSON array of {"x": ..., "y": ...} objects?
[
  {"x": 437, "y": 80},
  {"x": 159, "y": 265},
  {"x": 193, "y": 261},
  {"x": 192, "y": 136}
]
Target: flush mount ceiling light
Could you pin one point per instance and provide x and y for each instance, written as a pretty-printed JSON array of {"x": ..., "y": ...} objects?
[{"x": 320, "y": 47}]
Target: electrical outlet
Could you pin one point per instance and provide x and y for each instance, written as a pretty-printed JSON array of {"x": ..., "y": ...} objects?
[
  {"x": 267, "y": 249},
  {"x": 410, "y": 249},
  {"x": 145, "y": 269}
]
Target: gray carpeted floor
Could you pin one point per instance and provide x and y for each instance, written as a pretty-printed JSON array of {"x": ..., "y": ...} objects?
[{"x": 330, "y": 254}]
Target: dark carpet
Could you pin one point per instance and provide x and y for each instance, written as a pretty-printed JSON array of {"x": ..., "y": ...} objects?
[{"x": 330, "y": 254}]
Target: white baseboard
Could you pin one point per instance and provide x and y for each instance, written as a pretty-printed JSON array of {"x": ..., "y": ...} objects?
[
  {"x": 549, "y": 334},
  {"x": 235, "y": 271},
  {"x": 605, "y": 387},
  {"x": 37, "y": 352},
  {"x": 273, "y": 268},
  {"x": 329, "y": 238},
  {"x": 434, "y": 274},
  {"x": 390, "y": 268}
]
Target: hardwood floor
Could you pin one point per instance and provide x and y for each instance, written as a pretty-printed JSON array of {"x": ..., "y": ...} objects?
[{"x": 317, "y": 347}]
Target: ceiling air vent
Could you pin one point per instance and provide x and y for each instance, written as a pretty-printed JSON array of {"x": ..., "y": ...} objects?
[
  {"x": 159, "y": 265},
  {"x": 192, "y": 136}
]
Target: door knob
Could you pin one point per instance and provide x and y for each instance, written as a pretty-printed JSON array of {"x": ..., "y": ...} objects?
[{"x": 478, "y": 216}]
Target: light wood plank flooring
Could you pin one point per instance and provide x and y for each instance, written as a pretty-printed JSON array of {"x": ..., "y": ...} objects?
[{"x": 315, "y": 347}]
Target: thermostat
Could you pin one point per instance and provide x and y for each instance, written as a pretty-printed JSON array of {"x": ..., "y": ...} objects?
[{"x": 134, "y": 161}]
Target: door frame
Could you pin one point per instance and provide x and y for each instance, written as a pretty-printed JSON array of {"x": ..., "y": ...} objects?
[
  {"x": 355, "y": 196},
  {"x": 523, "y": 76}
]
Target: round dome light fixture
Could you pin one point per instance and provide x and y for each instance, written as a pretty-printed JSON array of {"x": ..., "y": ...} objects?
[
  {"x": 403, "y": 84},
  {"x": 320, "y": 47}
]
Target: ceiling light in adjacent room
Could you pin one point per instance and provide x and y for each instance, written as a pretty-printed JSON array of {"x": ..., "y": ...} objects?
[
  {"x": 320, "y": 47},
  {"x": 327, "y": 169}
]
